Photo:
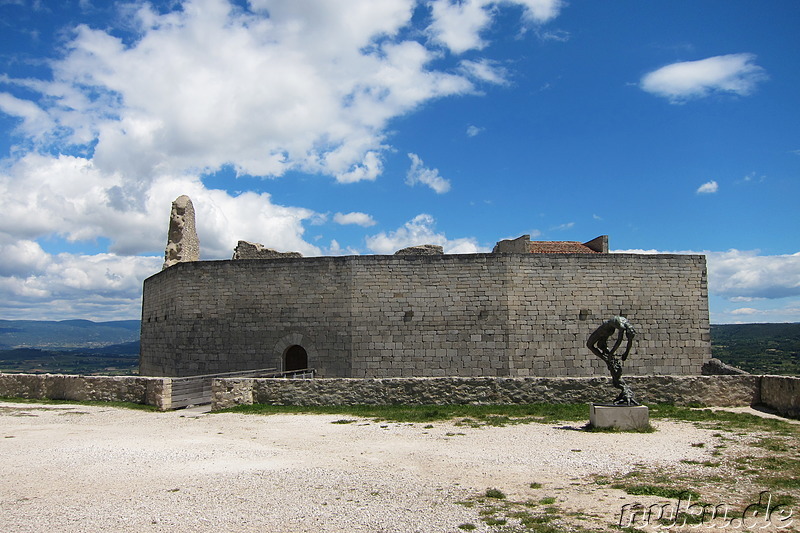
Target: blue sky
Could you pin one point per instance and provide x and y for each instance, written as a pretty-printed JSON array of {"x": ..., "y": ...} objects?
[{"x": 335, "y": 127}]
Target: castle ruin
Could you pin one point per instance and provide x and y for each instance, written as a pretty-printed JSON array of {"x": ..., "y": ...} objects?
[{"x": 525, "y": 309}]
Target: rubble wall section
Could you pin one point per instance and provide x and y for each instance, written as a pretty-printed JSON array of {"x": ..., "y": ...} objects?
[
  {"x": 679, "y": 390},
  {"x": 133, "y": 389},
  {"x": 782, "y": 393}
]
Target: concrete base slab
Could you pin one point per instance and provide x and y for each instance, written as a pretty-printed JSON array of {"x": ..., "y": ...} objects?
[{"x": 625, "y": 417}]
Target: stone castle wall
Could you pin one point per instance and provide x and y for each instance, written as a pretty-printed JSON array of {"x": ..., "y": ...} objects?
[
  {"x": 448, "y": 315},
  {"x": 679, "y": 390}
]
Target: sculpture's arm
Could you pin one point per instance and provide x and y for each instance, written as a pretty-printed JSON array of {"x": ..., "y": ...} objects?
[
  {"x": 629, "y": 335},
  {"x": 620, "y": 333}
]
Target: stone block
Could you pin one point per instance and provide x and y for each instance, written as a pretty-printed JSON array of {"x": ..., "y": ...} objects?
[{"x": 625, "y": 417}]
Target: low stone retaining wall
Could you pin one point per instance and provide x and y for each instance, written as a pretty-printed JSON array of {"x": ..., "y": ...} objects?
[
  {"x": 134, "y": 389},
  {"x": 782, "y": 393},
  {"x": 707, "y": 390}
]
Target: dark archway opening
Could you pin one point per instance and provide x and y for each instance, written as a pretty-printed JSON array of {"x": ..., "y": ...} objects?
[{"x": 295, "y": 358}]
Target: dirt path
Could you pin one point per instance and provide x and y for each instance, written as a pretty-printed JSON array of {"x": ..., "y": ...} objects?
[{"x": 80, "y": 468}]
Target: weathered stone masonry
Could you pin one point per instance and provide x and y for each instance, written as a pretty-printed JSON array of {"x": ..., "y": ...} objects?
[{"x": 441, "y": 315}]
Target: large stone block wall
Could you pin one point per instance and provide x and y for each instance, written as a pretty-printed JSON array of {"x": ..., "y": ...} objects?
[
  {"x": 679, "y": 390},
  {"x": 403, "y": 316},
  {"x": 224, "y": 316},
  {"x": 133, "y": 389},
  {"x": 782, "y": 393},
  {"x": 562, "y": 299}
]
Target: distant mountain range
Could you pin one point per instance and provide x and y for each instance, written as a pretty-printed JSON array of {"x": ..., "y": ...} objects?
[{"x": 66, "y": 334}]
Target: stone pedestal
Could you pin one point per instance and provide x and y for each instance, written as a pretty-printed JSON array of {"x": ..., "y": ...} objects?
[{"x": 625, "y": 417}]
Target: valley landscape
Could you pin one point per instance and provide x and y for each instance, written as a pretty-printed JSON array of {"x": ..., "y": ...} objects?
[{"x": 112, "y": 348}]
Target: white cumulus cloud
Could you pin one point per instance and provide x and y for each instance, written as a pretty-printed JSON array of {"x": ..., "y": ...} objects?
[
  {"x": 738, "y": 273},
  {"x": 213, "y": 84},
  {"x": 473, "y": 131},
  {"x": 70, "y": 197},
  {"x": 418, "y": 173},
  {"x": 357, "y": 218},
  {"x": 458, "y": 24},
  {"x": 421, "y": 230},
  {"x": 99, "y": 287},
  {"x": 708, "y": 187},
  {"x": 745, "y": 311},
  {"x": 679, "y": 82},
  {"x": 745, "y": 275}
]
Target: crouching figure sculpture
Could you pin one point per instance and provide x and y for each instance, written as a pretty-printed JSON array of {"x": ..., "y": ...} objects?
[{"x": 598, "y": 344}]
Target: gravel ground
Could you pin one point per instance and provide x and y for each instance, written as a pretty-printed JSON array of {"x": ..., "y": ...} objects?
[{"x": 85, "y": 468}]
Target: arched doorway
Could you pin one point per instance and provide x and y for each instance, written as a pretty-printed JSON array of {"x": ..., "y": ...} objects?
[{"x": 295, "y": 358}]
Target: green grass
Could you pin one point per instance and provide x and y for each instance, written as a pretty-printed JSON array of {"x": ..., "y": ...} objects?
[
  {"x": 500, "y": 415},
  {"x": 495, "y": 493},
  {"x": 98, "y": 403},
  {"x": 657, "y": 490},
  {"x": 723, "y": 420},
  {"x": 477, "y": 415}
]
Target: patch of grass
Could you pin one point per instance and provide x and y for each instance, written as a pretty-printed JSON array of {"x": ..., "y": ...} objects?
[
  {"x": 472, "y": 415},
  {"x": 495, "y": 493},
  {"x": 492, "y": 521},
  {"x": 549, "y": 500},
  {"x": 535, "y": 485},
  {"x": 344, "y": 421},
  {"x": 467, "y": 527},
  {"x": 773, "y": 444},
  {"x": 548, "y": 528},
  {"x": 532, "y": 521},
  {"x": 97, "y": 403},
  {"x": 658, "y": 490},
  {"x": 720, "y": 420}
]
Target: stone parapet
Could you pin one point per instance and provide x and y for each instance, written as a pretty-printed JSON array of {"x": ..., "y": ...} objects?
[
  {"x": 680, "y": 390},
  {"x": 133, "y": 389},
  {"x": 782, "y": 393}
]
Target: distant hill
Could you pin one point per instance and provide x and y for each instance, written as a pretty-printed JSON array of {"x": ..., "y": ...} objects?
[
  {"x": 758, "y": 348},
  {"x": 117, "y": 359},
  {"x": 83, "y": 346},
  {"x": 66, "y": 333}
]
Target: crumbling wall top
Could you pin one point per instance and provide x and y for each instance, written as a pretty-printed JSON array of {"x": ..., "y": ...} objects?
[{"x": 254, "y": 250}]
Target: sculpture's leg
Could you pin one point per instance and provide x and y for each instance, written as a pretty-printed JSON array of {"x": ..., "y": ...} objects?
[{"x": 626, "y": 395}]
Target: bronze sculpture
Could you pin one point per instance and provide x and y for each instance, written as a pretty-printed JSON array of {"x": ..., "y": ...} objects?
[{"x": 598, "y": 344}]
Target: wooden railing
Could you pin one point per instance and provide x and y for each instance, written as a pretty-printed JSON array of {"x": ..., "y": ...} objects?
[{"x": 196, "y": 390}]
